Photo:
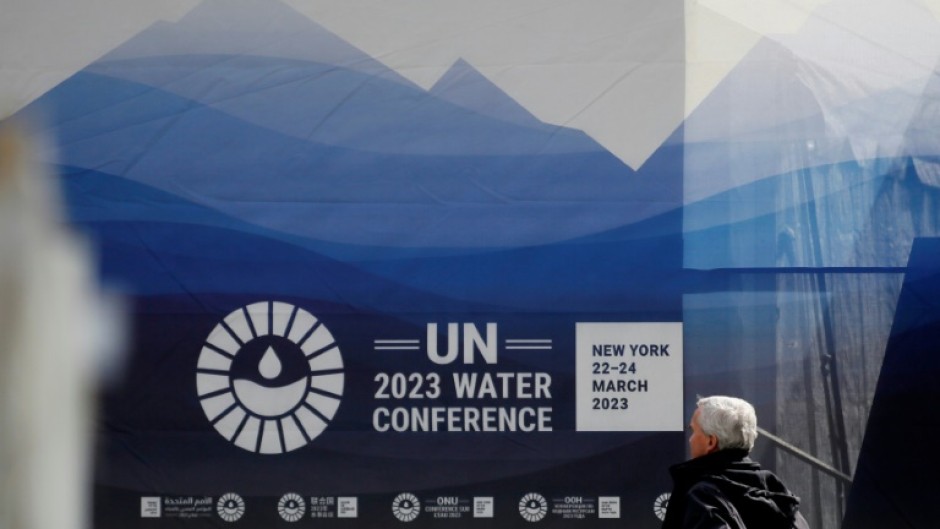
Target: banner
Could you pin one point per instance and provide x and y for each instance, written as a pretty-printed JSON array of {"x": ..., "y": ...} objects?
[{"x": 472, "y": 264}]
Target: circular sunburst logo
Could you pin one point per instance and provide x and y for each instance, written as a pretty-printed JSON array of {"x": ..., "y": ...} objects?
[
  {"x": 270, "y": 377},
  {"x": 661, "y": 504},
  {"x": 231, "y": 507},
  {"x": 533, "y": 507},
  {"x": 291, "y": 507},
  {"x": 405, "y": 507}
]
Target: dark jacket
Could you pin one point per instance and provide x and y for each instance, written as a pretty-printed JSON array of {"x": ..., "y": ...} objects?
[{"x": 726, "y": 490}]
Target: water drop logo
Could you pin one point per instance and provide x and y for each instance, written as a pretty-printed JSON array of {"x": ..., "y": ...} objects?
[
  {"x": 270, "y": 377},
  {"x": 291, "y": 507},
  {"x": 231, "y": 507},
  {"x": 533, "y": 507},
  {"x": 406, "y": 507}
]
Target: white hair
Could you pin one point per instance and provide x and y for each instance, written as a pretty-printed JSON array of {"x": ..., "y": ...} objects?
[{"x": 732, "y": 420}]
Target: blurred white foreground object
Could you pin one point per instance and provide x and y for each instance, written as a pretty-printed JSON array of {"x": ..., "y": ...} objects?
[{"x": 55, "y": 329}]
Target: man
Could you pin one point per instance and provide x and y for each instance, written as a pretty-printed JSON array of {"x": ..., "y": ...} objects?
[{"x": 720, "y": 487}]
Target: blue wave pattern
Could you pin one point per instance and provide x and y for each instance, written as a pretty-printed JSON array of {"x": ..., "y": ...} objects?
[{"x": 355, "y": 165}]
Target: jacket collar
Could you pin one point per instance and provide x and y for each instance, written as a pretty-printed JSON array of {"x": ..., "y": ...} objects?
[{"x": 710, "y": 463}]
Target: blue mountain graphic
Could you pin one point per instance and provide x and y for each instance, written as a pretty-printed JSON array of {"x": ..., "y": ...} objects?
[
  {"x": 332, "y": 152},
  {"x": 306, "y": 141},
  {"x": 268, "y": 65}
]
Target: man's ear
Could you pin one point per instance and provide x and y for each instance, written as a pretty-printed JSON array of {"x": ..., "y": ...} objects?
[{"x": 712, "y": 445}]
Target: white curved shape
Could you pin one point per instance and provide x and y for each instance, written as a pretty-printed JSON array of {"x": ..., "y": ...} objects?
[{"x": 270, "y": 402}]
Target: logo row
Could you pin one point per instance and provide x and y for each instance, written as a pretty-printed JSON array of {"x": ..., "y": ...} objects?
[
  {"x": 406, "y": 507},
  {"x": 231, "y": 507}
]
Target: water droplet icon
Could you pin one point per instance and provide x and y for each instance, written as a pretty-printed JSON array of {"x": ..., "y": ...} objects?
[{"x": 269, "y": 366}]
